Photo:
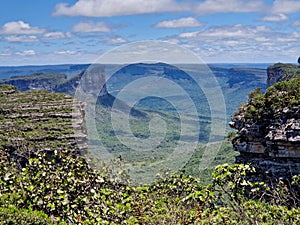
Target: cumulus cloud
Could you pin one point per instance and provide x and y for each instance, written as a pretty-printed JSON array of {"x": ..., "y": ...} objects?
[
  {"x": 57, "y": 35},
  {"x": 107, "y": 8},
  {"x": 229, "y": 6},
  {"x": 26, "y": 53},
  {"x": 21, "y": 38},
  {"x": 179, "y": 23},
  {"x": 20, "y": 27},
  {"x": 89, "y": 27},
  {"x": 276, "y": 18},
  {"x": 286, "y": 6}
]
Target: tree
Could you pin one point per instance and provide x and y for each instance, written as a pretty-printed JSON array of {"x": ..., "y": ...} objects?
[{"x": 299, "y": 60}]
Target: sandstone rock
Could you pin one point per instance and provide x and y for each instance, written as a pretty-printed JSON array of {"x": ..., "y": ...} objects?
[
  {"x": 35, "y": 121},
  {"x": 271, "y": 142}
]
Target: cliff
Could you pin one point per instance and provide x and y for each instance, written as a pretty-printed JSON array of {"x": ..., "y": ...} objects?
[
  {"x": 268, "y": 126},
  {"x": 56, "y": 82},
  {"x": 36, "y": 81},
  {"x": 281, "y": 72},
  {"x": 40, "y": 121}
]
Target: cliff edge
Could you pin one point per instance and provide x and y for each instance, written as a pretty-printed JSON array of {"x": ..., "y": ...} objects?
[
  {"x": 281, "y": 72},
  {"x": 268, "y": 126},
  {"x": 40, "y": 121}
]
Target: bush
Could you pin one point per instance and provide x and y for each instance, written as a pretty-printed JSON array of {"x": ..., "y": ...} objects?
[
  {"x": 72, "y": 192},
  {"x": 11, "y": 215}
]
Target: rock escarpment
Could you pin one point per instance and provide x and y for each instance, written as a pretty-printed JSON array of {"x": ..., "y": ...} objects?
[
  {"x": 269, "y": 126},
  {"x": 93, "y": 78},
  {"x": 36, "y": 81},
  {"x": 40, "y": 121},
  {"x": 281, "y": 72}
]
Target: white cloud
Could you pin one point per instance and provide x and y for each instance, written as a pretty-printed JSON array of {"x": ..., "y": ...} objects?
[
  {"x": 296, "y": 23},
  {"x": 189, "y": 34},
  {"x": 229, "y": 6},
  {"x": 57, "y": 35},
  {"x": 276, "y": 18},
  {"x": 5, "y": 53},
  {"x": 86, "y": 27},
  {"x": 242, "y": 43},
  {"x": 20, "y": 27},
  {"x": 21, "y": 38},
  {"x": 26, "y": 53},
  {"x": 178, "y": 23},
  {"x": 116, "y": 41},
  {"x": 104, "y": 8},
  {"x": 236, "y": 31},
  {"x": 286, "y": 6},
  {"x": 65, "y": 52}
]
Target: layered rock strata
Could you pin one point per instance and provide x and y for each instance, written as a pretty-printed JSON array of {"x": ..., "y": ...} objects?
[
  {"x": 35, "y": 121},
  {"x": 271, "y": 146},
  {"x": 270, "y": 140}
]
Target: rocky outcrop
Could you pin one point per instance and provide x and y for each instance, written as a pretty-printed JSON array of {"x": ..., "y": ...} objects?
[
  {"x": 281, "y": 72},
  {"x": 93, "y": 78},
  {"x": 272, "y": 146},
  {"x": 36, "y": 81},
  {"x": 268, "y": 127},
  {"x": 40, "y": 121}
]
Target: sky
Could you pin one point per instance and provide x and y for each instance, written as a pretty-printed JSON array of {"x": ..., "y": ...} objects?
[{"x": 35, "y": 32}]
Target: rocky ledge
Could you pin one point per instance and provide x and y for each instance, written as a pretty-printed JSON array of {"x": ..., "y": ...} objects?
[
  {"x": 268, "y": 129},
  {"x": 40, "y": 121},
  {"x": 281, "y": 72}
]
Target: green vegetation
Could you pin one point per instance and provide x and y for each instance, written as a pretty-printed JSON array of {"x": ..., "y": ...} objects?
[
  {"x": 64, "y": 188},
  {"x": 72, "y": 192},
  {"x": 282, "y": 95},
  {"x": 225, "y": 155},
  {"x": 40, "y": 81},
  {"x": 35, "y": 121},
  {"x": 288, "y": 71}
]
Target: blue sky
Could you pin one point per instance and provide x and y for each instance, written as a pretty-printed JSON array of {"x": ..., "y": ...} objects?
[{"x": 79, "y": 31}]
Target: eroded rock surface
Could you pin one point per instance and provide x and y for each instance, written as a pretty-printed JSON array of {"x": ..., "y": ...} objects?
[
  {"x": 35, "y": 121},
  {"x": 268, "y": 126}
]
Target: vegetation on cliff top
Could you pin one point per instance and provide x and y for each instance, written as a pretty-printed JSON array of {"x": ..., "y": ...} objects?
[
  {"x": 282, "y": 96},
  {"x": 36, "y": 121},
  {"x": 288, "y": 71}
]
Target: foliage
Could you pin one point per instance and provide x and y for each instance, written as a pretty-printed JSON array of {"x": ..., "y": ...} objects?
[
  {"x": 282, "y": 95},
  {"x": 70, "y": 191},
  {"x": 12, "y": 215},
  {"x": 288, "y": 71}
]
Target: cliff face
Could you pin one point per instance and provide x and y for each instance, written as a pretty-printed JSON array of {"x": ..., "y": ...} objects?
[
  {"x": 95, "y": 81},
  {"x": 35, "y": 121},
  {"x": 281, "y": 72},
  {"x": 269, "y": 126},
  {"x": 36, "y": 81}
]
